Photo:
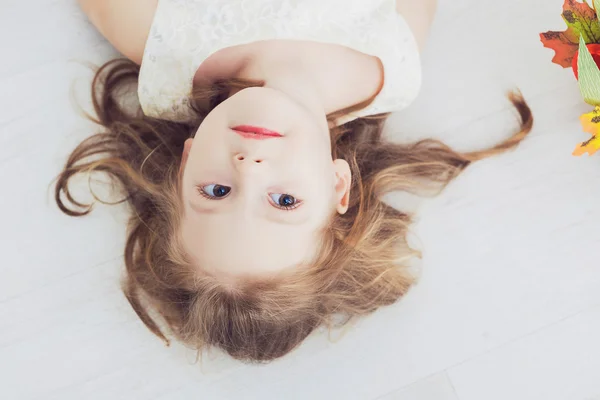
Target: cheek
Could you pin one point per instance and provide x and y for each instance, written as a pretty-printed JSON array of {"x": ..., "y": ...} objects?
[
  {"x": 210, "y": 147},
  {"x": 213, "y": 125},
  {"x": 188, "y": 184},
  {"x": 311, "y": 146},
  {"x": 321, "y": 186},
  {"x": 315, "y": 171}
]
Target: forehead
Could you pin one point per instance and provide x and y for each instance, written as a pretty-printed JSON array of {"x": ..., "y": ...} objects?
[{"x": 226, "y": 244}]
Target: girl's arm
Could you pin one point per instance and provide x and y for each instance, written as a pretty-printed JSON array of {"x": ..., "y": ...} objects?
[
  {"x": 124, "y": 23},
  {"x": 419, "y": 16}
]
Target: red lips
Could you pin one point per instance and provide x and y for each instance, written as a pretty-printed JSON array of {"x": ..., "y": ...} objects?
[{"x": 255, "y": 132}]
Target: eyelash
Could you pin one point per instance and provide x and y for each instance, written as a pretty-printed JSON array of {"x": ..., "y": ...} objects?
[
  {"x": 283, "y": 208},
  {"x": 202, "y": 193},
  {"x": 286, "y": 208}
]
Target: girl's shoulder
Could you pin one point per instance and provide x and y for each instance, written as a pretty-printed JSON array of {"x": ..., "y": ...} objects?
[
  {"x": 184, "y": 34},
  {"x": 419, "y": 16},
  {"x": 125, "y": 24}
]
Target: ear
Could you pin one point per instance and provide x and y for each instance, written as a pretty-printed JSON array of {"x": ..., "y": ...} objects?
[
  {"x": 187, "y": 146},
  {"x": 343, "y": 181}
]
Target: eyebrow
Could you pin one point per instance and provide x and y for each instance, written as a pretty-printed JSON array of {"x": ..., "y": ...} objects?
[
  {"x": 276, "y": 217},
  {"x": 201, "y": 210}
]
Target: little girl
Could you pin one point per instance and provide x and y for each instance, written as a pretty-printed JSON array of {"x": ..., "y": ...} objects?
[{"x": 253, "y": 162}]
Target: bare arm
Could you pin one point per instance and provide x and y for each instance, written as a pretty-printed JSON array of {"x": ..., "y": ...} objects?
[
  {"x": 124, "y": 23},
  {"x": 419, "y": 16}
]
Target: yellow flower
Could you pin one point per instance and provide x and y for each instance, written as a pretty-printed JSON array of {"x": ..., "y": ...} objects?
[{"x": 591, "y": 124}]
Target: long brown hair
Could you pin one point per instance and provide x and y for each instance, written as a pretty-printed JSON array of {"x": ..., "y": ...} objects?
[{"x": 361, "y": 265}]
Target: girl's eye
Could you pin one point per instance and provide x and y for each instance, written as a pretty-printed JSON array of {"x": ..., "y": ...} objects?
[
  {"x": 214, "y": 192},
  {"x": 284, "y": 201}
]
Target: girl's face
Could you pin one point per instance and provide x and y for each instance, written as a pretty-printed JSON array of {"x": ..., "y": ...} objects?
[{"x": 256, "y": 204}]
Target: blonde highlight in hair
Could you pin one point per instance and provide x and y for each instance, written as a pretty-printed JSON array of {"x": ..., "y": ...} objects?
[{"x": 361, "y": 264}]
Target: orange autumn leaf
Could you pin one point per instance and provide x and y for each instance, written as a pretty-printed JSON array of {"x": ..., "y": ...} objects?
[
  {"x": 590, "y": 123},
  {"x": 578, "y": 10},
  {"x": 581, "y": 20},
  {"x": 564, "y": 44}
]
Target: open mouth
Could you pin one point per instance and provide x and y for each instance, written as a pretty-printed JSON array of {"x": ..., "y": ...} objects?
[{"x": 255, "y": 132}]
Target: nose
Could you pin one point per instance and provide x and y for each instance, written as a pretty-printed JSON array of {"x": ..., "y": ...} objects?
[
  {"x": 240, "y": 157},
  {"x": 245, "y": 161}
]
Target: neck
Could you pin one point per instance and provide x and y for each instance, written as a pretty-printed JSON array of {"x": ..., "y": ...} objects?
[
  {"x": 321, "y": 87},
  {"x": 290, "y": 77}
]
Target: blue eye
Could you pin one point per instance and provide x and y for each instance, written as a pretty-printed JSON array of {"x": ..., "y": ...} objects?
[
  {"x": 214, "y": 192},
  {"x": 284, "y": 201}
]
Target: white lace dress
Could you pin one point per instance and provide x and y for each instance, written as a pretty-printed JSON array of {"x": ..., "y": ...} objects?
[{"x": 184, "y": 33}]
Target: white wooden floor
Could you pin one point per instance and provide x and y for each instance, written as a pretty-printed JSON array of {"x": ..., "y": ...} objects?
[{"x": 508, "y": 306}]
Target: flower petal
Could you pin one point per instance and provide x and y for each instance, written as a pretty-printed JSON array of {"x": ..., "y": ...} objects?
[
  {"x": 590, "y": 122},
  {"x": 590, "y": 147}
]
